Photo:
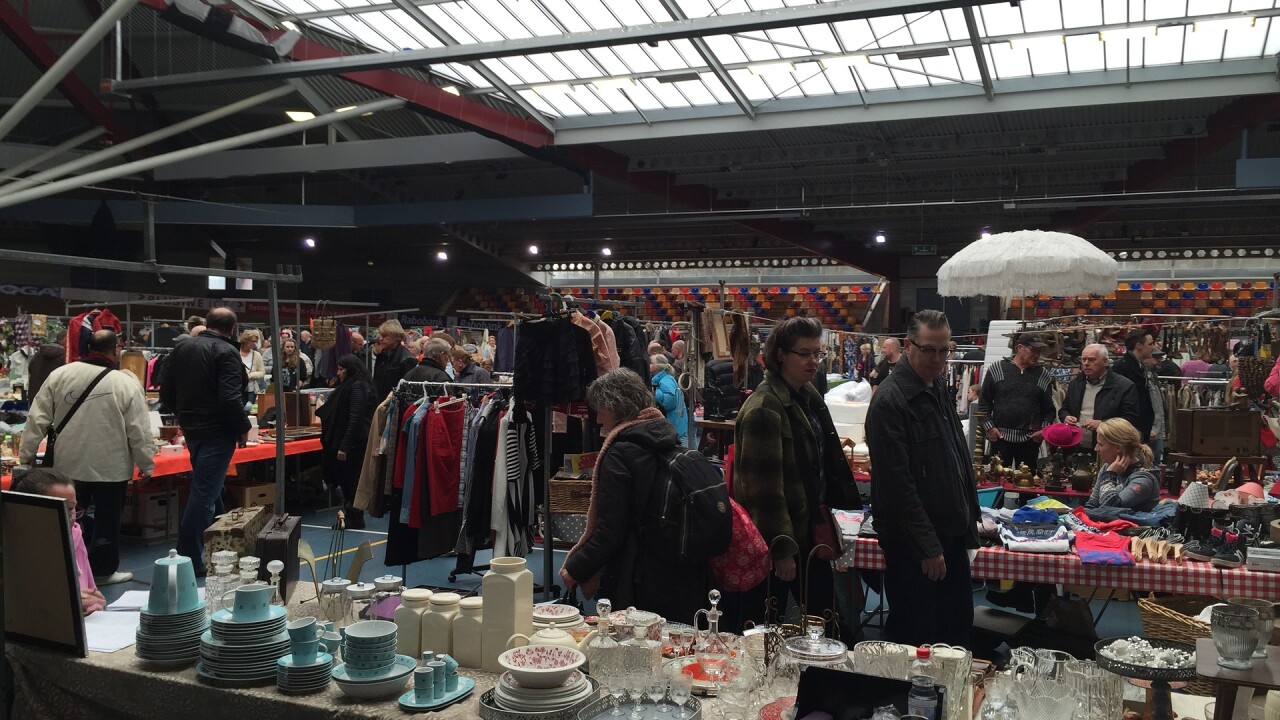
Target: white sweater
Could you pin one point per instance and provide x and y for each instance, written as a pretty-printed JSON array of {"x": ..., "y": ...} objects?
[{"x": 109, "y": 434}]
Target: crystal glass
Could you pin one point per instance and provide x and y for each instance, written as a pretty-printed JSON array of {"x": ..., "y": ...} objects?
[
  {"x": 635, "y": 691},
  {"x": 1235, "y": 635},
  {"x": 681, "y": 691},
  {"x": 998, "y": 704},
  {"x": 656, "y": 690},
  {"x": 1101, "y": 693},
  {"x": 618, "y": 690},
  {"x": 882, "y": 659},
  {"x": 1266, "y": 622}
]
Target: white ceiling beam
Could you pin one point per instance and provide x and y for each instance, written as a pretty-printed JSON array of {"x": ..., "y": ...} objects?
[{"x": 362, "y": 154}]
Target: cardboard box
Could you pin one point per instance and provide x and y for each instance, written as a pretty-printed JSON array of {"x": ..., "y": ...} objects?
[
  {"x": 151, "y": 515},
  {"x": 1217, "y": 432},
  {"x": 254, "y": 496}
]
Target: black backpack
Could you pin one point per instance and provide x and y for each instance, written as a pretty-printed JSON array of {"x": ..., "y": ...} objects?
[{"x": 694, "y": 521}]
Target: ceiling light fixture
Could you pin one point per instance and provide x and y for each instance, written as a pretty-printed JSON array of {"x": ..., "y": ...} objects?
[
  {"x": 843, "y": 61},
  {"x": 1037, "y": 42},
  {"x": 533, "y": 249},
  {"x": 345, "y": 108},
  {"x": 552, "y": 89},
  {"x": 442, "y": 255},
  {"x": 924, "y": 53},
  {"x": 290, "y": 25},
  {"x": 1132, "y": 32},
  {"x": 880, "y": 238},
  {"x": 605, "y": 251},
  {"x": 299, "y": 115},
  {"x": 451, "y": 89},
  {"x": 772, "y": 68},
  {"x": 309, "y": 241},
  {"x": 986, "y": 233}
]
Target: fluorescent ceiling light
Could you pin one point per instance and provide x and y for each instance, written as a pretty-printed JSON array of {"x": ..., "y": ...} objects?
[
  {"x": 1236, "y": 23},
  {"x": 345, "y": 108},
  {"x": 625, "y": 83},
  {"x": 1037, "y": 43},
  {"x": 533, "y": 249},
  {"x": 552, "y": 89},
  {"x": 451, "y": 89},
  {"x": 880, "y": 238},
  {"x": 606, "y": 252},
  {"x": 442, "y": 255},
  {"x": 842, "y": 61},
  {"x": 299, "y": 115},
  {"x": 772, "y": 68},
  {"x": 1135, "y": 32},
  {"x": 290, "y": 25},
  {"x": 924, "y": 53}
]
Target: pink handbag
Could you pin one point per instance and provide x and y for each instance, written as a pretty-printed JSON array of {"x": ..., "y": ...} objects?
[{"x": 747, "y": 563}]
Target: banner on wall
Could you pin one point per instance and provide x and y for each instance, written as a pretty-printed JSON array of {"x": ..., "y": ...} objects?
[
  {"x": 30, "y": 291},
  {"x": 411, "y": 321}
]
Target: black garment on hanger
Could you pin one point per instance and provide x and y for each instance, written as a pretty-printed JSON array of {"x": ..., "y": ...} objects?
[{"x": 554, "y": 361}]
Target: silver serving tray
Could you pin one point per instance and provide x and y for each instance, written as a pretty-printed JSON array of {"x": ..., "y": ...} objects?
[
  {"x": 601, "y": 708},
  {"x": 489, "y": 709}
]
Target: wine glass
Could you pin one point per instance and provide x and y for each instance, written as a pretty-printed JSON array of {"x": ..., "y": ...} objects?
[
  {"x": 677, "y": 641},
  {"x": 618, "y": 690},
  {"x": 656, "y": 689},
  {"x": 635, "y": 683},
  {"x": 681, "y": 691}
]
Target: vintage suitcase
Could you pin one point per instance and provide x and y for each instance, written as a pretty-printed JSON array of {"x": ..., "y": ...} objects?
[
  {"x": 279, "y": 541},
  {"x": 1206, "y": 431},
  {"x": 236, "y": 530}
]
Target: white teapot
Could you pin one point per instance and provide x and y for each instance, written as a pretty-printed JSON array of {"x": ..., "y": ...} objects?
[{"x": 550, "y": 635}]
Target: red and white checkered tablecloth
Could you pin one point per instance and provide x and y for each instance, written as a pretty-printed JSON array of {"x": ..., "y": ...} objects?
[{"x": 1189, "y": 578}]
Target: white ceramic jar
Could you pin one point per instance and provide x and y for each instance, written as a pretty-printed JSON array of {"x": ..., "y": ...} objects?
[
  {"x": 437, "y": 623},
  {"x": 468, "y": 633},
  {"x": 507, "y": 592},
  {"x": 413, "y": 603}
]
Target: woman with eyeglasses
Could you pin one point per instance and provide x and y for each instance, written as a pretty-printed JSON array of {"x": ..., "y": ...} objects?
[
  {"x": 51, "y": 483},
  {"x": 788, "y": 467}
]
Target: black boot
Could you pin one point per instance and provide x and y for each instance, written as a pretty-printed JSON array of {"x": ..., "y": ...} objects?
[{"x": 355, "y": 518}]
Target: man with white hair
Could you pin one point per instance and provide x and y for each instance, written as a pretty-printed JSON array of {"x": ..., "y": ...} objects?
[
  {"x": 1098, "y": 394},
  {"x": 891, "y": 353}
]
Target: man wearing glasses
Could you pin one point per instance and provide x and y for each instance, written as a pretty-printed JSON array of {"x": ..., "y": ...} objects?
[
  {"x": 924, "y": 498},
  {"x": 1017, "y": 396},
  {"x": 789, "y": 465}
]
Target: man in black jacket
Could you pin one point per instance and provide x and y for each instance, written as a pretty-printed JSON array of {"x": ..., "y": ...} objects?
[
  {"x": 892, "y": 350},
  {"x": 924, "y": 497},
  {"x": 1017, "y": 397},
  {"x": 431, "y": 369},
  {"x": 391, "y": 359},
  {"x": 205, "y": 383},
  {"x": 1097, "y": 394},
  {"x": 1139, "y": 344}
]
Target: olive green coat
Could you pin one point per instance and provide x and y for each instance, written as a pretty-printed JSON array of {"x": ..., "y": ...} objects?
[{"x": 775, "y": 467}]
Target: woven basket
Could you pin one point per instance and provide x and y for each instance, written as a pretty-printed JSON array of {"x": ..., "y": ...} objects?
[
  {"x": 570, "y": 496},
  {"x": 1173, "y": 618}
]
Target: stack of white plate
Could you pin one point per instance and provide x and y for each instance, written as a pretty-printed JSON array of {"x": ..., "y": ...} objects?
[
  {"x": 243, "y": 653},
  {"x": 170, "y": 639},
  {"x": 564, "y": 616},
  {"x": 513, "y": 696},
  {"x": 297, "y": 678}
]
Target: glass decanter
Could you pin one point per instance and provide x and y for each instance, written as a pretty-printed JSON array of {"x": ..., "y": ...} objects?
[
  {"x": 275, "y": 567},
  {"x": 602, "y": 650},
  {"x": 387, "y": 596},
  {"x": 711, "y": 652},
  {"x": 222, "y": 581},
  {"x": 249, "y": 569}
]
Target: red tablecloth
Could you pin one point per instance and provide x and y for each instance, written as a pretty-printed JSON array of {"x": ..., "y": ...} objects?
[
  {"x": 1190, "y": 578},
  {"x": 181, "y": 462}
]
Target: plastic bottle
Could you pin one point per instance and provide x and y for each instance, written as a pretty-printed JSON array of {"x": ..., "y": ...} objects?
[{"x": 922, "y": 699}]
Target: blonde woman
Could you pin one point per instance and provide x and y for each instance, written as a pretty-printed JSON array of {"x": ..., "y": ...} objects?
[
  {"x": 253, "y": 364},
  {"x": 1126, "y": 478}
]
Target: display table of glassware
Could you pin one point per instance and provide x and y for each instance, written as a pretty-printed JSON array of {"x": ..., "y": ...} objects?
[{"x": 1264, "y": 675}]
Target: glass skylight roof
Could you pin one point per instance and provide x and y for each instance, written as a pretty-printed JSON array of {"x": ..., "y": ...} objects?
[{"x": 859, "y": 58}]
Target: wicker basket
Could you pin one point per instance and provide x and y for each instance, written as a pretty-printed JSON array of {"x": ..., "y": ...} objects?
[
  {"x": 1173, "y": 618},
  {"x": 570, "y": 496}
]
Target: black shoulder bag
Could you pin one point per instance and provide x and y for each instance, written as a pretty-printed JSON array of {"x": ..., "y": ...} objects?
[{"x": 51, "y": 436}]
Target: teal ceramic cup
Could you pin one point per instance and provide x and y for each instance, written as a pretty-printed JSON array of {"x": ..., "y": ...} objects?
[
  {"x": 450, "y": 665},
  {"x": 437, "y": 679},
  {"x": 250, "y": 603},
  {"x": 423, "y": 685},
  {"x": 304, "y": 651},
  {"x": 304, "y": 629},
  {"x": 451, "y": 682}
]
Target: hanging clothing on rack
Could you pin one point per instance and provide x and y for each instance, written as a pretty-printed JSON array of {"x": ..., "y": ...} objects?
[
  {"x": 504, "y": 357},
  {"x": 81, "y": 328},
  {"x": 554, "y": 361},
  {"x": 517, "y": 468},
  {"x": 478, "y": 478}
]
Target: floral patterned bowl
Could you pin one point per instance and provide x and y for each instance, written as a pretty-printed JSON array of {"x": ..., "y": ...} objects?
[{"x": 541, "y": 666}]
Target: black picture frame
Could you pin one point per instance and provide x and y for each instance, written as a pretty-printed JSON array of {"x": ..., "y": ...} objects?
[{"x": 41, "y": 593}]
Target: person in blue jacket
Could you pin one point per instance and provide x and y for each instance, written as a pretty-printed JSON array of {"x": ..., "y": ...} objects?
[{"x": 667, "y": 393}]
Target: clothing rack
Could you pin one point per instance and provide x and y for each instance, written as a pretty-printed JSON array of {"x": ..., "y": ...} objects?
[{"x": 1195, "y": 381}]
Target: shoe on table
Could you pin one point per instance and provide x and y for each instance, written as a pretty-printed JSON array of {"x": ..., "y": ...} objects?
[
  {"x": 114, "y": 578},
  {"x": 1204, "y": 549},
  {"x": 1231, "y": 554}
]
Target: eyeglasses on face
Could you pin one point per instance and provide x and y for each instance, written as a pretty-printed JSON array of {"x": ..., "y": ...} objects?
[
  {"x": 815, "y": 355},
  {"x": 932, "y": 351}
]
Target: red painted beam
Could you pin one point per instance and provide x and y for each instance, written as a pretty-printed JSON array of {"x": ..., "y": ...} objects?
[
  {"x": 1222, "y": 128},
  {"x": 16, "y": 27},
  {"x": 702, "y": 197}
]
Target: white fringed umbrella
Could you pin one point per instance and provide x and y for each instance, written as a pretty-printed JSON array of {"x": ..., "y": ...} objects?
[{"x": 1028, "y": 262}]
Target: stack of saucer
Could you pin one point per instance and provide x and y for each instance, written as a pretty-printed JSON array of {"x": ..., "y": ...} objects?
[
  {"x": 242, "y": 646},
  {"x": 513, "y": 696},
  {"x": 170, "y": 639},
  {"x": 564, "y": 616},
  {"x": 370, "y": 668},
  {"x": 297, "y": 676}
]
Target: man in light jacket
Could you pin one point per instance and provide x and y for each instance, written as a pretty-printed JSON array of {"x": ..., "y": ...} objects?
[{"x": 107, "y": 437}]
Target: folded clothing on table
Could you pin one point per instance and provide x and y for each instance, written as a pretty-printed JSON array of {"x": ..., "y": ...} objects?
[{"x": 1103, "y": 549}]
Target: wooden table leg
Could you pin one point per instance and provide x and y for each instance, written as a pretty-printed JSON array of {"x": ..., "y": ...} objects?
[{"x": 1225, "y": 700}]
